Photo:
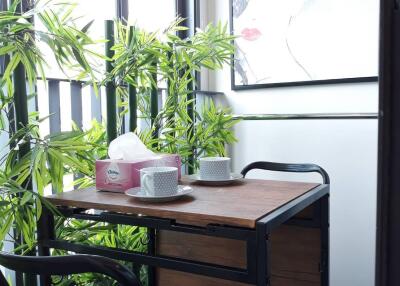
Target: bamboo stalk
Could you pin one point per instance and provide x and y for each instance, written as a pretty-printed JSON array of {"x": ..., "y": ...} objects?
[
  {"x": 132, "y": 92},
  {"x": 190, "y": 111},
  {"x": 132, "y": 108},
  {"x": 111, "y": 98},
  {"x": 21, "y": 121},
  {"x": 154, "y": 103}
]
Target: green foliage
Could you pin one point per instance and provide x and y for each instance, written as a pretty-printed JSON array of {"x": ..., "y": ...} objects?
[
  {"x": 19, "y": 39},
  {"x": 144, "y": 60},
  {"x": 107, "y": 235},
  {"x": 177, "y": 60},
  {"x": 47, "y": 162},
  {"x": 19, "y": 208}
]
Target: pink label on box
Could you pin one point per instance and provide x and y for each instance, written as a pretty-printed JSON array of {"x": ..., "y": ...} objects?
[{"x": 120, "y": 175}]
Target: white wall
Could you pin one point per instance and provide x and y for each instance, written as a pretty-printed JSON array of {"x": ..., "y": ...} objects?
[{"x": 347, "y": 149}]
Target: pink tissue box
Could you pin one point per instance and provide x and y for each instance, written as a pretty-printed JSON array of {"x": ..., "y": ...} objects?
[{"x": 120, "y": 175}]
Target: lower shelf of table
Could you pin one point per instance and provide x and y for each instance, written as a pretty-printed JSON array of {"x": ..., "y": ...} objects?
[{"x": 295, "y": 256}]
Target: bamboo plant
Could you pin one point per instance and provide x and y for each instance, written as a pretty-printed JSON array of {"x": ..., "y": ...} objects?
[
  {"x": 178, "y": 60},
  {"x": 49, "y": 158}
]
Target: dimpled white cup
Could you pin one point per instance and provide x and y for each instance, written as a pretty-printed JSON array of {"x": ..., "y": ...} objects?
[
  {"x": 159, "y": 181},
  {"x": 215, "y": 168}
]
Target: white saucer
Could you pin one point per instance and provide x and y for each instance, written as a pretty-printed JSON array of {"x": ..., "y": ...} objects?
[
  {"x": 231, "y": 180},
  {"x": 141, "y": 195}
]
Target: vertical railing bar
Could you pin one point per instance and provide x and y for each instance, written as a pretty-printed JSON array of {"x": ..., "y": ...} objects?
[
  {"x": 22, "y": 120},
  {"x": 190, "y": 111},
  {"x": 170, "y": 97},
  {"x": 186, "y": 9},
  {"x": 132, "y": 108},
  {"x": 122, "y": 15},
  {"x": 76, "y": 112},
  {"x": 154, "y": 103},
  {"x": 76, "y": 103},
  {"x": 196, "y": 24},
  {"x": 110, "y": 85},
  {"x": 95, "y": 102},
  {"x": 54, "y": 106},
  {"x": 54, "y": 109},
  {"x": 4, "y": 60},
  {"x": 132, "y": 93}
]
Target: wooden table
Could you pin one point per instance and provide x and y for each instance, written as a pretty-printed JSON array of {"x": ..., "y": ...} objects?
[{"x": 255, "y": 232}]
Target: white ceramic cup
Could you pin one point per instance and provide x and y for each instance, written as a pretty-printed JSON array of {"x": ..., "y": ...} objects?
[
  {"x": 215, "y": 168},
  {"x": 159, "y": 181}
]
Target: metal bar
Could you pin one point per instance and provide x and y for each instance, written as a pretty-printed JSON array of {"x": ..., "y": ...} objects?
[
  {"x": 21, "y": 105},
  {"x": 161, "y": 224},
  {"x": 306, "y": 116},
  {"x": 54, "y": 109},
  {"x": 388, "y": 195},
  {"x": 21, "y": 120},
  {"x": 132, "y": 94},
  {"x": 284, "y": 213},
  {"x": 251, "y": 256},
  {"x": 186, "y": 9},
  {"x": 95, "y": 101},
  {"x": 45, "y": 231},
  {"x": 190, "y": 111},
  {"x": 4, "y": 59},
  {"x": 324, "y": 240},
  {"x": 199, "y": 91},
  {"x": 301, "y": 83},
  {"x": 132, "y": 108},
  {"x": 54, "y": 106},
  {"x": 262, "y": 254},
  {"x": 122, "y": 10},
  {"x": 183, "y": 10},
  {"x": 196, "y": 20},
  {"x": 201, "y": 268},
  {"x": 309, "y": 223},
  {"x": 110, "y": 86},
  {"x": 208, "y": 92},
  {"x": 151, "y": 250},
  {"x": 154, "y": 103},
  {"x": 76, "y": 111},
  {"x": 76, "y": 103}
]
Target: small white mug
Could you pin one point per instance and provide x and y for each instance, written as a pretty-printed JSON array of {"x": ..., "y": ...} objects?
[
  {"x": 215, "y": 168},
  {"x": 159, "y": 181}
]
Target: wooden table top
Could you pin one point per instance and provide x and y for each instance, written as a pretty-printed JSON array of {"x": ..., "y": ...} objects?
[{"x": 241, "y": 204}]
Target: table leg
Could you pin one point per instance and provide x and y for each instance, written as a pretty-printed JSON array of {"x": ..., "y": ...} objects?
[
  {"x": 151, "y": 249},
  {"x": 45, "y": 231},
  {"x": 263, "y": 265},
  {"x": 325, "y": 240}
]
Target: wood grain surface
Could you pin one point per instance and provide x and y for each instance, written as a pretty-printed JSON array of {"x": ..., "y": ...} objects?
[
  {"x": 241, "y": 204},
  {"x": 295, "y": 257}
]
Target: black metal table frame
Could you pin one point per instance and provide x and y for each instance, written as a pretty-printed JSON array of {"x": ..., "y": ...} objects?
[{"x": 257, "y": 240}]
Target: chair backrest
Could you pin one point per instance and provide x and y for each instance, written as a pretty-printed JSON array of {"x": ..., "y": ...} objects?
[
  {"x": 283, "y": 167},
  {"x": 66, "y": 265}
]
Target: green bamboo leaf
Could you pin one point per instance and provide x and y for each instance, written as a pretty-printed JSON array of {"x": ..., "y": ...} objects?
[{"x": 4, "y": 203}]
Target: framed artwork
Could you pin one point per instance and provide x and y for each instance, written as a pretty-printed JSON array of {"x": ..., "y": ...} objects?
[{"x": 303, "y": 42}]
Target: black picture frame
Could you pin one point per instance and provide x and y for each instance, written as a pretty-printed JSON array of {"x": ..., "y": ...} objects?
[{"x": 287, "y": 84}]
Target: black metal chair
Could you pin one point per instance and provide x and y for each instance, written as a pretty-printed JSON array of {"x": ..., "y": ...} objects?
[
  {"x": 66, "y": 265},
  {"x": 283, "y": 167}
]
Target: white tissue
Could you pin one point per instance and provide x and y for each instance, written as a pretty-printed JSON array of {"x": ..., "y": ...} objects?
[{"x": 129, "y": 147}]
